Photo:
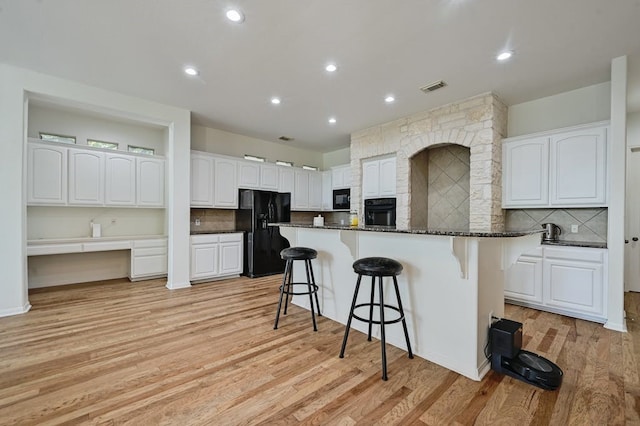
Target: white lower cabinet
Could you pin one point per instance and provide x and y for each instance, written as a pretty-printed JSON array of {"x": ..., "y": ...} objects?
[
  {"x": 565, "y": 280},
  {"x": 148, "y": 259},
  {"x": 216, "y": 256}
]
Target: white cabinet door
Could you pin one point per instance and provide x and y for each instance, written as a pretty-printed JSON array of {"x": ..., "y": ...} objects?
[
  {"x": 268, "y": 177},
  {"x": 204, "y": 260},
  {"x": 202, "y": 167},
  {"x": 225, "y": 184},
  {"x": 86, "y": 177},
  {"x": 286, "y": 180},
  {"x": 46, "y": 174},
  {"x": 149, "y": 182},
  {"x": 523, "y": 281},
  {"x": 301, "y": 191},
  {"x": 371, "y": 179},
  {"x": 248, "y": 175},
  {"x": 341, "y": 177},
  {"x": 574, "y": 286},
  {"x": 578, "y": 167},
  {"x": 525, "y": 173},
  {"x": 388, "y": 177},
  {"x": 327, "y": 190},
  {"x": 231, "y": 254},
  {"x": 120, "y": 177},
  {"x": 148, "y": 258},
  {"x": 315, "y": 190}
]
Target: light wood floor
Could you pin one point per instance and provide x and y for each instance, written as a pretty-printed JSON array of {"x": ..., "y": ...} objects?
[{"x": 119, "y": 352}]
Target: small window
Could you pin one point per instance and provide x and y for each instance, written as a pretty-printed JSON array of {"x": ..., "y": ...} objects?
[
  {"x": 141, "y": 150},
  {"x": 102, "y": 144},
  {"x": 52, "y": 137}
]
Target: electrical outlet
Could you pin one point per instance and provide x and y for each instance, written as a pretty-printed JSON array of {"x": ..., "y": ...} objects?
[
  {"x": 197, "y": 221},
  {"x": 574, "y": 229},
  {"x": 490, "y": 318}
]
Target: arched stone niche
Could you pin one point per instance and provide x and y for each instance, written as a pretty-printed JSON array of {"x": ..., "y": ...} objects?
[{"x": 478, "y": 123}]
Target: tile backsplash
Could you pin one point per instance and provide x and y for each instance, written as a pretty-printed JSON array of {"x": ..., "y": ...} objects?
[
  {"x": 213, "y": 220},
  {"x": 448, "y": 189},
  {"x": 592, "y": 222}
]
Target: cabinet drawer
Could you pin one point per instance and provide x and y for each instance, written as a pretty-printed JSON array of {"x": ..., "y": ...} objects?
[
  {"x": 107, "y": 245},
  {"x": 584, "y": 254},
  {"x": 149, "y": 265},
  {"x": 205, "y": 239},
  {"x": 156, "y": 242},
  {"x": 225, "y": 238},
  {"x": 150, "y": 251},
  {"x": 54, "y": 249}
]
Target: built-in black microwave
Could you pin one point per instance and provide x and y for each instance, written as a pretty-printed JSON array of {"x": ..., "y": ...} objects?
[{"x": 341, "y": 199}]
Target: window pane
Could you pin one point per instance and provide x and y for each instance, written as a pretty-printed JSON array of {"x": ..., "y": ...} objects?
[
  {"x": 57, "y": 138},
  {"x": 102, "y": 144},
  {"x": 141, "y": 150}
]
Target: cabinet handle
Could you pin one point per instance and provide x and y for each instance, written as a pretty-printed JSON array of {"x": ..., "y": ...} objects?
[
  {"x": 626, "y": 241},
  {"x": 635, "y": 238}
]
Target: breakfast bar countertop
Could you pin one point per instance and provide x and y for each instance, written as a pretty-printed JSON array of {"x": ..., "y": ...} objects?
[{"x": 445, "y": 232}]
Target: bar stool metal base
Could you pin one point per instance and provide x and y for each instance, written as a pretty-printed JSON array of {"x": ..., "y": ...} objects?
[
  {"x": 379, "y": 273},
  {"x": 288, "y": 286}
]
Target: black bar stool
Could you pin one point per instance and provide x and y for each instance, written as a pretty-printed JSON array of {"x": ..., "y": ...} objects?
[
  {"x": 287, "y": 288},
  {"x": 377, "y": 267}
]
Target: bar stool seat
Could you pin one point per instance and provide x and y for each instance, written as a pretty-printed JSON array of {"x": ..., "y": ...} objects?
[
  {"x": 377, "y": 267},
  {"x": 288, "y": 286}
]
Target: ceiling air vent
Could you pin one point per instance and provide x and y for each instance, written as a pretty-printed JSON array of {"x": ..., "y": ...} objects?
[
  {"x": 433, "y": 86},
  {"x": 285, "y": 138}
]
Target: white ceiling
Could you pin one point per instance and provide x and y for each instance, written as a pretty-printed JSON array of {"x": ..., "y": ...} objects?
[{"x": 139, "y": 47}]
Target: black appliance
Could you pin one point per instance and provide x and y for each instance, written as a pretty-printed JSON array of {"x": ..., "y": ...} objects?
[
  {"x": 507, "y": 357},
  {"x": 262, "y": 243},
  {"x": 380, "y": 211},
  {"x": 341, "y": 199}
]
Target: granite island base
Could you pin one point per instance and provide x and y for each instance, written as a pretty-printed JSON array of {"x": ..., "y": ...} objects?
[{"x": 451, "y": 284}]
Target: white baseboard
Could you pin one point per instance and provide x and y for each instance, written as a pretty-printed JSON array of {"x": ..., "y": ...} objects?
[
  {"x": 175, "y": 286},
  {"x": 15, "y": 311}
]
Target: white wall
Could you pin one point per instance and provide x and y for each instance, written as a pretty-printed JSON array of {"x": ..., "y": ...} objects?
[
  {"x": 336, "y": 158},
  {"x": 633, "y": 129},
  {"x": 585, "y": 105},
  {"x": 16, "y": 87},
  {"x": 221, "y": 142},
  {"x": 61, "y": 269},
  {"x": 84, "y": 126}
]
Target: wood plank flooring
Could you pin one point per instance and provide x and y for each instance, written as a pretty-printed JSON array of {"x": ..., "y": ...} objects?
[{"x": 136, "y": 353}]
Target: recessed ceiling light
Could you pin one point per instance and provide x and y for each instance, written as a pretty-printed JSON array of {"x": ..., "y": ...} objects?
[
  {"x": 332, "y": 120},
  {"x": 331, "y": 67},
  {"x": 275, "y": 101},
  {"x": 191, "y": 71},
  {"x": 234, "y": 15},
  {"x": 389, "y": 99},
  {"x": 505, "y": 55}
]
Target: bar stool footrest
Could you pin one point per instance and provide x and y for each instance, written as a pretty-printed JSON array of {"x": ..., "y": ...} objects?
[
  {"x": 298, "y": 293},
  {"x": 372, "y": 321}
]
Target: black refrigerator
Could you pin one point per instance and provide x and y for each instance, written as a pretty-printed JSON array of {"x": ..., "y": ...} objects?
[{"x": 262, "y": 243}]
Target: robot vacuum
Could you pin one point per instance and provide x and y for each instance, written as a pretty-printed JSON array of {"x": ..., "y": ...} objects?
[{"x": 507, "y": 357}]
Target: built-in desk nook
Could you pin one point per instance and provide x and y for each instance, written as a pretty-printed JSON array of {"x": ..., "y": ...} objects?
[{"x": 452, "y": 282}]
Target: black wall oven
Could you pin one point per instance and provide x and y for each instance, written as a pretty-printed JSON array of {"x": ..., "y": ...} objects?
[
  {"x": 380, "y": 211},
  {"x": 341, "y": 199}
]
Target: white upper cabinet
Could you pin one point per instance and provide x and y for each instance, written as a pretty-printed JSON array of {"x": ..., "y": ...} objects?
[
  {"x": 315, "y": 190},
  {"x": 120, "y": 178},
  {"x": 286, "y": 180},
  {"x": 564, "y": 168},
  {"x": 301, "y": 190},
  {"x": 86, "y": 177},
  {"x": 202, "y": 167},
  {"x": 225, "y": 184},
  {"x": 379, "y": 178},
  {"x": 578, "y": 162},
  {"x": 341, "y": 177},
  {"x": 47, "y": 174},
  {"x": 257, "y": 176},
  {"x": 327, "y": 191},
  {"x": 525, "y": 173},
  {"x": 269, "y": 177},
  {"x": 248, "y": 175},
  {"x": 149, "y": 182}
]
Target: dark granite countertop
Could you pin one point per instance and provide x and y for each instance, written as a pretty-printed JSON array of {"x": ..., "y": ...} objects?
[
  {"x": 213, "y": 232},
  {"x": 575, "y": 244},
  {"x": 445, "y": 232}
]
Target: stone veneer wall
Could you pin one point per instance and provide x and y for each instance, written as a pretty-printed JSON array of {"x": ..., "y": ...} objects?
[{"x": 478, "y": 123}]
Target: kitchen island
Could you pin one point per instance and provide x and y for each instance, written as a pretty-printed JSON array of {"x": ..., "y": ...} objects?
[{"x": 452, "y": 282}]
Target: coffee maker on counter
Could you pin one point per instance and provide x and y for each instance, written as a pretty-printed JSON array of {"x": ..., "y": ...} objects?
[{"x": 551, "y": 232}]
